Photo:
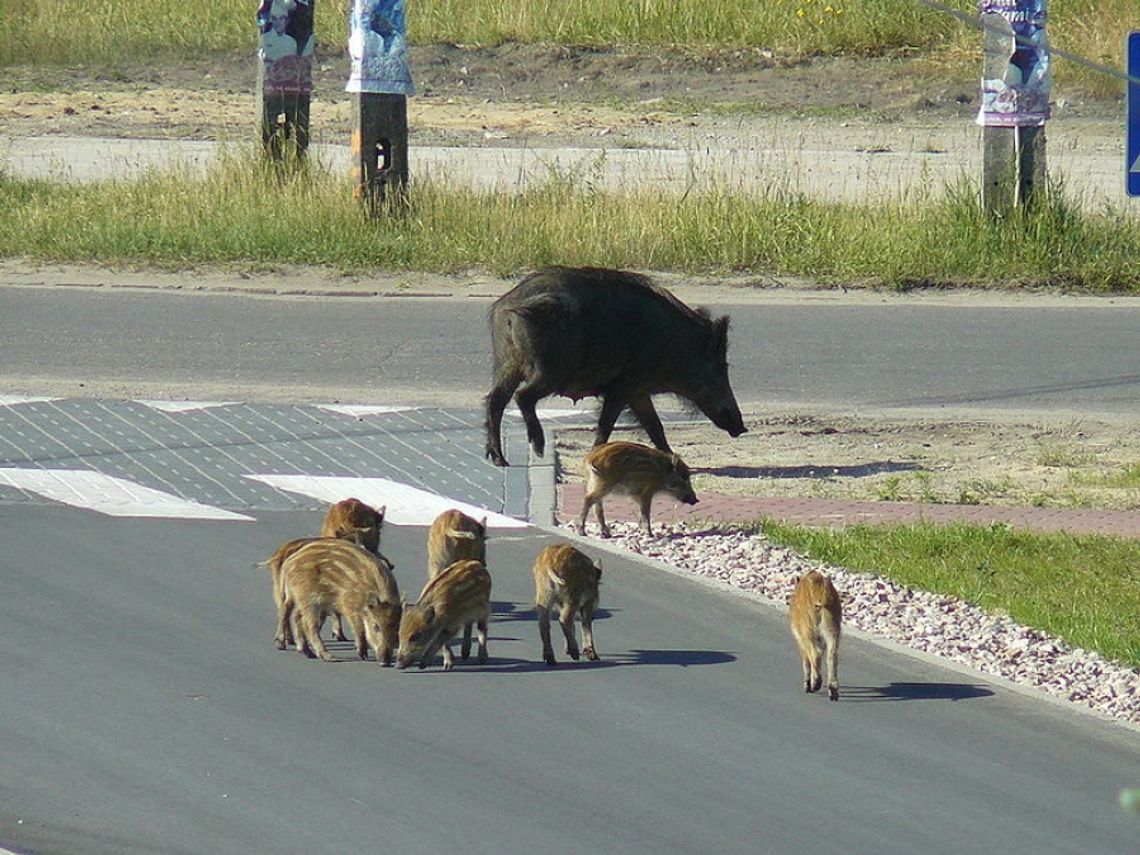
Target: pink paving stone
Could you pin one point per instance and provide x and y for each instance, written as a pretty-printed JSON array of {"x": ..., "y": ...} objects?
[{"x": 839, "y": 512}]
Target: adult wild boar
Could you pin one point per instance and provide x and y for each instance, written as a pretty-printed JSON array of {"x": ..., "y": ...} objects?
[{"x": 586, "y": 331}]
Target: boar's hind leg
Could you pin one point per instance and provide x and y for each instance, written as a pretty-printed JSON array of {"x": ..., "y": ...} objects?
[
  {"x": 481, "y": 636},
  {"x": 465, "y": 646},
  {"x": 612, "y": 405},
  {"x": 309, "y": 635},
  {"x": 284, "y": 634},
  {"x": 587, "y": 615},
  {"x": 544, "y": 635},
  {"x": 647, "y": 417},
  {"x": 527, "y": 397},
  {"x": 566, "y": 621},
  {"x": 496, "y": 403}
]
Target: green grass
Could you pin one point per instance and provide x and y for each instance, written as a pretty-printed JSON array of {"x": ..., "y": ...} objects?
[
  {"x": 73, "y": 33},
  {"x": 1128, "y": 478},
  {"x": 241, "y": 213},
  {"x": 1085, "y": 590}
]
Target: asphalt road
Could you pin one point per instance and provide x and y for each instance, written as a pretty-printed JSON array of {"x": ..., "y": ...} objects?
[
  {"x": 859, "y": 355},
  {"x": 145, "y": 709}
]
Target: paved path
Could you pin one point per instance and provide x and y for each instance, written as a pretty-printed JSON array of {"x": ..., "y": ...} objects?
[
  {"x": 840, "y": 512},
  {"x": 830, "y": 172}
]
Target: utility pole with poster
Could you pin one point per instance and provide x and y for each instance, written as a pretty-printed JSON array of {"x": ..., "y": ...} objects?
[
  {"x": 1016, "y": 79},
  {"x": 285, "y": 75},
  {"x": 380, "y": 82}
]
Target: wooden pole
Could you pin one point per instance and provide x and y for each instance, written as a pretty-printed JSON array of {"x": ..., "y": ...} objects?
[
  {"x": 999, "y": 144},
  {"x": 379, "y": 148},
  {"x": 1013, "y": 154},
  {"x": 285, "y": 76}
]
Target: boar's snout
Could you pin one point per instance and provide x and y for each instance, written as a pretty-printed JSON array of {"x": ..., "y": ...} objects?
[{"x": 730, "y": 421}]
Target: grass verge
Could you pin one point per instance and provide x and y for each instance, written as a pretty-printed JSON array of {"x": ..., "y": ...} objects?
[
  {"x": 1083, "y": 589},
  {"x": 243, "y": 211},
  {"x": 49, "y": 32}
]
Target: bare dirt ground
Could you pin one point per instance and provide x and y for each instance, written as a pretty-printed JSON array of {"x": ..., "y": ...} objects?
[{"x": 558, "y": 96}]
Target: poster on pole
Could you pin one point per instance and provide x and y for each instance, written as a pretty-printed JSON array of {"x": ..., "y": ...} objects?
[
  {"x": 1019, "y": 96},
  {"x": 378, "y": 48},
  {"x": 1132, "y": 132},
  {"x": 286, "y": 46}
]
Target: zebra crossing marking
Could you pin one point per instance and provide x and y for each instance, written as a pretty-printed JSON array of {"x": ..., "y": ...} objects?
[{"x": 106, "y": 494}]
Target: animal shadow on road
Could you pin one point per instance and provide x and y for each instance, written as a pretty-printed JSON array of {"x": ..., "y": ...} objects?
[
  {"x": 504, "y": 612},
  {"x": 862, "y": 470},
  {"x": 684, "y": 658},
  {"x": 915, "y": 692}
]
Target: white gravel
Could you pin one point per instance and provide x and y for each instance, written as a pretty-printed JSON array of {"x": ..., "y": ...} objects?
[{"x": 944, "y": 626}]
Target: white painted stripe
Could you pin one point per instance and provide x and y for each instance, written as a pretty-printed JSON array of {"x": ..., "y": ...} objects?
[
  {"x": 405, "y": 505},
  {"x": 12, "y": 400},
  {"x": 183, "y": 406},
  {"x": 106, "y": 494},
  {"x": 357, "y": 410}
]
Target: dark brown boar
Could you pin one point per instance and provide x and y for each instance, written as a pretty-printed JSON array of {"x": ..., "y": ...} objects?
[
  {"x": 352, "y": 519},
  {"x": 637, "y": 471},
  {"x": 330, "y": 575},
  {"x": 582, "y": 332},
  {"x": 566, "y": 578}
]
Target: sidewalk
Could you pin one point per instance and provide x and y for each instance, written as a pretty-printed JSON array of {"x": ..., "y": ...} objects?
[
  {"x": 717, "y": 508},
  {"x": 830, "y": 172}
]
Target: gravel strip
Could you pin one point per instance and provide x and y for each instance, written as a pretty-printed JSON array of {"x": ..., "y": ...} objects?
[{"x": 933, "y": 623}]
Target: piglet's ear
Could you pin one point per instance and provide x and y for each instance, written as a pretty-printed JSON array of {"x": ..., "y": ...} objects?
[{"x": 429, "y": 615}]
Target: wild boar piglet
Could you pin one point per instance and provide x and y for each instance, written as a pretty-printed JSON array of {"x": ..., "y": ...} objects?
[
  {"x": 634, "y": 470},
  {"x": 353, "y": 519},
  {"x": 454, "y": 536},
  {"x": 333, "y": 575},
  {"x": 567, "y": 579},
  {"x": 459, "y": 597},
  {"x": 816, "y": 616}
]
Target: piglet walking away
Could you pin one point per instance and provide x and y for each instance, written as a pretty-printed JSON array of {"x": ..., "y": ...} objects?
[
  {"x": 352, "y": 519},
  {"x": 816, "y": 615},
  {"x": 585, "y": 332},
  {"x": 567, "y": 579},
  {"x": 458, "y": 597},
  {"x": 330, "y": 575},
  {"x": 634, "y": 470},
  {"x": 454, "y": 536}
]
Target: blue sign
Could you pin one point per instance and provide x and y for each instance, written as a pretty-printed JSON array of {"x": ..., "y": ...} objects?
[{"x": 1132, "y": 138}]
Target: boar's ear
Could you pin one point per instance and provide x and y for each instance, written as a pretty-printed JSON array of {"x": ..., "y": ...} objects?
[{"x": 380, "y": 513}]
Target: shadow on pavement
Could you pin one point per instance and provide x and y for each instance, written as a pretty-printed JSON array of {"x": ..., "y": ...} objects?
[{"x": 915, "y": 692}]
